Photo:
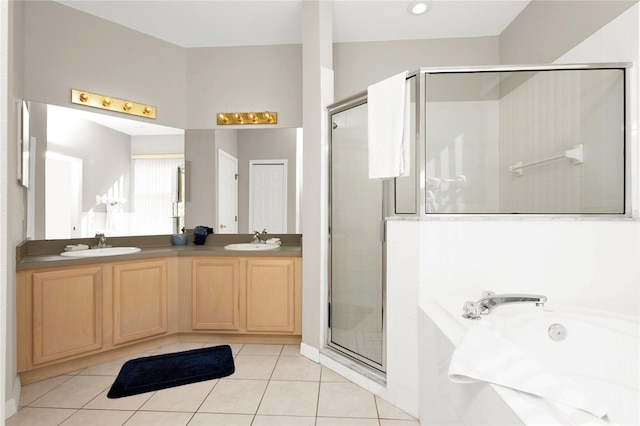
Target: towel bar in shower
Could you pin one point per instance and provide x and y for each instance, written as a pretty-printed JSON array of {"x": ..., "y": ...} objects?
[{"x": 575, "y": 154}]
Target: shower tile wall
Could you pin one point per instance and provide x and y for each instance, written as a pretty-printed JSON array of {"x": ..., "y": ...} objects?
[
  {"x": 462, "y": 156},
  {"x": 548, "y": 113},
  {"x": 356, "y": 288},
  {"x": 478, "y": 125}
]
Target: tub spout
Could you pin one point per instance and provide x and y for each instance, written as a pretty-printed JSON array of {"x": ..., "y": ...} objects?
[{"x": 490, "y": 301}]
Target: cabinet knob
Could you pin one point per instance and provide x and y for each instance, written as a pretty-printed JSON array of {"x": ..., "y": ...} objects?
[{"x": 222, "y": 226}]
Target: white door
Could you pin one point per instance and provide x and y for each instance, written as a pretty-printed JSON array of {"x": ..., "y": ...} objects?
[
  {"x": 63, "y": 181},
  {"x": 268, "y": 196},
  {"x": 227, "y": 193}
]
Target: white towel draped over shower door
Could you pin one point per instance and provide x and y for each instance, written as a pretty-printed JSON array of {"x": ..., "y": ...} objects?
[{"x": 389, "y": 144}]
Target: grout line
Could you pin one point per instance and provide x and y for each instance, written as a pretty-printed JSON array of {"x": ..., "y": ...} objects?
[{"x": 72, "y": 414}]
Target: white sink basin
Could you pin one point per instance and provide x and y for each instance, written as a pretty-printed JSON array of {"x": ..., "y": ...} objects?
[
  {"x": 250, "y": 247},
  {"x": 108, "y": 251}
]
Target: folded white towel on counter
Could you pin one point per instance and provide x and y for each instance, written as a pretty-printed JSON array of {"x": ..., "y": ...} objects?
[
  {"x": 486, "y": 356},
  {"x": 76, "y": 247},
  {"x": 388, "y": 143}
]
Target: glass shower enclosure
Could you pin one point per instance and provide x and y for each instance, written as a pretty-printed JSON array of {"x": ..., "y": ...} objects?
[{"x": 513, "y": 140}]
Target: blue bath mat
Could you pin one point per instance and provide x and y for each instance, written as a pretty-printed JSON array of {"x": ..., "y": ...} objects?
[{"x": 157, "y": 372}]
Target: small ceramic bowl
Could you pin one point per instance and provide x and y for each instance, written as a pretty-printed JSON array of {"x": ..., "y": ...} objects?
[{"x": 179, "y": 239}]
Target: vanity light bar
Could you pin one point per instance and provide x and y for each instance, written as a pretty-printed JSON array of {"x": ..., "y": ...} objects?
[
  {"x": 265, "y": 117},
  {"x": 82, "y": 97}
]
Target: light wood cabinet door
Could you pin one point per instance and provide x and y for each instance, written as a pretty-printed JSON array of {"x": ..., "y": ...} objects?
[
  {"x": 139, "y": 300},
  {"x": 215, "y": 294},
  {"x": 67, "y": 313},
  {"x": 271, "y": 298}
]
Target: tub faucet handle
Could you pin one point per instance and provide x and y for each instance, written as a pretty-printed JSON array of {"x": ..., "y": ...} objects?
[{"x": 472, "y": 310}]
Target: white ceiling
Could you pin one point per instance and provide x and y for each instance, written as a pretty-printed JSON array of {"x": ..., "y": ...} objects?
[{"x": 208, "y": 23}]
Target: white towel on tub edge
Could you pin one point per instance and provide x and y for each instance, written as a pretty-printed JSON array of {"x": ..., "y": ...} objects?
[{"x": 486, "y": 356}]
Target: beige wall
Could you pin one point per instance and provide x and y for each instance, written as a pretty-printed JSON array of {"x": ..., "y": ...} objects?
[
  {"x": 545, "y": 30},
  {"x": 66, "y": 49},
  {"x": 246, "y": 78},
  {"x": 358, "y": 65},
  {"x": 199, "y": 153}
]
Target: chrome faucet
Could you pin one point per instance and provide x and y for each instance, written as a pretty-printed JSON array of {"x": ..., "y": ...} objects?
[
  {"x": 257, "y": 237},
  {"x": 102, "y": 240},
  {"x": 490, "y": 301}
]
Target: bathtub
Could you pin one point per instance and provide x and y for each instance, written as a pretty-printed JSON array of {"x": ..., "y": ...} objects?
[{"x": 594, "y": 349}]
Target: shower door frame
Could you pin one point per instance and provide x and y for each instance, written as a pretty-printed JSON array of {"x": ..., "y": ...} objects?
[
  {"x": 378, "y": 369},
  {"x": 388, "y": 209}
]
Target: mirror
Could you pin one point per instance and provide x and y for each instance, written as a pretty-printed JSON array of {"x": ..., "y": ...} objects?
[{"x": 100, "y": 173}]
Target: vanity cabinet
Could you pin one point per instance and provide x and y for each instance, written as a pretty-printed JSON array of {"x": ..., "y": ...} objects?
[
  {"x": 215, "y": 294},
  {"x": 140, "y": 300},
  {"x": 70, "y": 316},
  {"x": 67, "y": 313},
  {"x": 271, "y": 295},
  {"x": 246, "y": 295}
]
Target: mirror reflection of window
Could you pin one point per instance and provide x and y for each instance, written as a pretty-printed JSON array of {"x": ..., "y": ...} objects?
[{"x": 155, "y": 190}]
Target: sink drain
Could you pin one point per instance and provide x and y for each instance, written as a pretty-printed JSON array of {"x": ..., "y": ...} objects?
[{"x": 557, "y": 332}]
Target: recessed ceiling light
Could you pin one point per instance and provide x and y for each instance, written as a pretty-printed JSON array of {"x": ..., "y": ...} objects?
[{"x": 418, "y": 7}]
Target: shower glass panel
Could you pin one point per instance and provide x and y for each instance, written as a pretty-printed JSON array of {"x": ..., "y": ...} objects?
[
  {"x": 537, "y": 142},
  {"x": 356, "y": 253}
]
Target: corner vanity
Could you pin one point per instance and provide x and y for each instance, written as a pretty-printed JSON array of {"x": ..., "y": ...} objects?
[{"x": 73, "y": 312}]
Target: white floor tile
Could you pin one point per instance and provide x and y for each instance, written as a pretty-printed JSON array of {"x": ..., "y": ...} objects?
[
  {"x": 291, "y": 350},
  {"x": 390, "y": 422},
  {"x": 331, "y": 376},
  {"x": 209, "y": 419},
  {"x": 345, "y": 400},
  {"x": 235, "y": 396},
  {"x": 256, "y": 367},
  {"x": 39, "y": 417},
  {"x": 251, "y": 349},
  {"x": 290, "y": 399},
  {"x": 98, "y": 418},
  {"x": 180, "y": 398},
  {"x": 33, "y": 391},
  {"x": 75, "y": 392},
  {"x": 283, "y": 421},
  {"x": 345, "y": 421},
  {"x": 133, "y": 402},
  {"x": 296, "y": 368},
  {"x": 157, "y": 418}
]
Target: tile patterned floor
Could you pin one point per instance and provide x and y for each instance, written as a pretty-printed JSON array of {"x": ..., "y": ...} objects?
[{"x": 273, "y": 385}]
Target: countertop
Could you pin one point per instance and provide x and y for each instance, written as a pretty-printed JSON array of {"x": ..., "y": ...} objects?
[{"x": 46, "y": 253}]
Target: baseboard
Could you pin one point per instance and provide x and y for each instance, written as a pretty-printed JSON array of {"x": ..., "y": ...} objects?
[
  {"x": 11, "y": 405},
  {"x": 310, "y": 352}
]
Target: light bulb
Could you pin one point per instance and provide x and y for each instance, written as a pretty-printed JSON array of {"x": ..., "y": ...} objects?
[{"x": 419, "y": 7}]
